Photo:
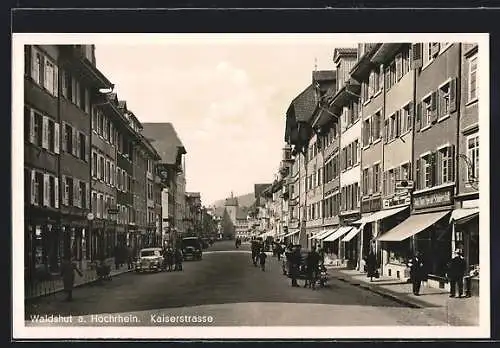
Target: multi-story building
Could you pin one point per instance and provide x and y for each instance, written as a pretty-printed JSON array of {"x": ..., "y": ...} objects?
[
  {"x": 346, "y": 101},
  {"x": 387, "y": 113},
  {"x": 465, "y": 217},
  {"x": 193, "y": 213},
  {"x": 166, "y": 142},
  {"x": 60, "y": 82},
  {"x": 106, "y": 120},
  {"x": 180, "y": 205}
]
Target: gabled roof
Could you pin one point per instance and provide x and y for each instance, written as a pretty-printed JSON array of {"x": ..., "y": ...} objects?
[
  {"x": 305, "y": 104},
  {"x": 339, "y": 52},
  {"x": 164, "y": 139}
]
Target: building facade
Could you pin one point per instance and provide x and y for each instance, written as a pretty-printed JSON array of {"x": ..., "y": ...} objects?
[
  {"x": 465, "y": 217},
  {"x": 59, "y": 86}
]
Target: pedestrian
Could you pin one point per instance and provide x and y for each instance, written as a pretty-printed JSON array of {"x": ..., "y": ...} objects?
[
  {"x": 295, "y": 264},
  {"x": 130, "y": 257},
  {"x": 417, "y": 270},
  {"x": 456, "y": 272},
  {"x": 68, "y": 269},
  {"x": 178, "y": 259},
  {"x": 262, "y": 259},
  {"x": 117, "y": 257},
  {"x": 312, "y": 265},
  {"x": 279, "y": 251},
  {"x": 170, "y": 259},
  {"x": 371, "y": 265}
]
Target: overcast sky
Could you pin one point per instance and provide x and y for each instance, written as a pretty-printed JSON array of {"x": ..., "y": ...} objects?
[{"x": 226, "y": 98}]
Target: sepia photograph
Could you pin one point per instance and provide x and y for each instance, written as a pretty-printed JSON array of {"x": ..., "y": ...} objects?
[{"x": 250, "y": 185}]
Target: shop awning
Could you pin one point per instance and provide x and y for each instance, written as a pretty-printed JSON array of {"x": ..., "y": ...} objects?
[
  {"x": 411, "y": 226},
  {"x": 318, "y": 234},
  {"x": 352, "y": 234},
  {"x": 463, "y": 214},
  {"x": 379, "y": 215},
  {"x": 325, "y": 233},
  {"x": 339, "y": 233},
  {"x": 291, "y": 233}
]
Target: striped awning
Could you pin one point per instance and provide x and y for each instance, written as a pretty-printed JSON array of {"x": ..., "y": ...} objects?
[
  {"x": 352, "y": 233},
  {"x": 338, "y": 233}
]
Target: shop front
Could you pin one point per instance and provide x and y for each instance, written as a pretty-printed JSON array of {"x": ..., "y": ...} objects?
[
  {"x": 428, "y": 233},
  {"x": 465, "y": 237},
  {"x": 333, "y": 242},
  {"x": 43, "y": 251},
  {"x": 375, "y": 224}
]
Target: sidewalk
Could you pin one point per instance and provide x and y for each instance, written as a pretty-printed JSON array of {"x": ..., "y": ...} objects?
[
  {"x": 52, "y": 286},
  {"x": 460, "y": 311}
]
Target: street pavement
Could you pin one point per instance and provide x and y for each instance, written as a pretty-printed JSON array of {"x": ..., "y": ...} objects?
[{"x": 225, "y": 289}]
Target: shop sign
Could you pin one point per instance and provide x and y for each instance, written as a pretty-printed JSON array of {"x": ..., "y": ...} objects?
[
  {"x": 370, "y": 205},
  {"x": 401, "y": 198},
  {"x": 433, "y": 199}
]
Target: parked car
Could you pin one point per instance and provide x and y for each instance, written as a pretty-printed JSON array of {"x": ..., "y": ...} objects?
[
  {"x": 150, "y": 259},
  {"x": 192, "y": 248}
]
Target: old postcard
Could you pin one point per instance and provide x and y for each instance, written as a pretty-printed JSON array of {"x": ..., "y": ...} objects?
[{"x": 251, "y": 186}]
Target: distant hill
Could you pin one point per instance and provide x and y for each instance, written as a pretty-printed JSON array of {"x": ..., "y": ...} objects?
[{"x": 243, "y": 201}]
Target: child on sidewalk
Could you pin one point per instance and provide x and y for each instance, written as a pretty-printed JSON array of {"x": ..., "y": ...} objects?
[{"x": 262, "y": 259}]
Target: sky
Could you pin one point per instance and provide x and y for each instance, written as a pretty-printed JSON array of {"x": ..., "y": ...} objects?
[{"x": 226, "y": 98}]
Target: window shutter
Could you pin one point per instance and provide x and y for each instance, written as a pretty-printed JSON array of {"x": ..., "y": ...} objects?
[
  {"x": 453, "y": 95},
  {"x": 56, "y": 192},
  {"x": 55, "y": 92},
  {"x": 418, "y": 174},
  {"x": 397, "y": 124},
  {"x": 369, "y": 180},
  {"x": 64, "y": 185},
  {"x": 411, "y": 111},
  {"x": 385, "y": 183},
  {"x": 418, "y": 118},
  {"x": 387, "y": 77},
  {"x": 87, "y": 149},
  {"x": 397, "y": 173},
  {"x": 64, "y": 137},
  {"x": 434, "y": 168},
  {"x": 434, "y": 49},
  {"x": 416, "y": 56},
  {"x": 34, "y": 65},
  {"x": 32, "y": 126},
  {"x": 33, "y": 191},
  {"x": 386, "y": 131},
  {"x": 74, "y": 136},
  {"x": 45, "y": 132},
  {"x": 64, "y": 84},
  {"x": 452, "y": 167},
  {"x": 78, "y": 145},
  {"x": 76, "y": 193},
  {"x": 46, "y": 190},
  {"x": 56, "y": 138},
  {"x": 434, "y": 107},
  {"x": 399, "y": 66}
]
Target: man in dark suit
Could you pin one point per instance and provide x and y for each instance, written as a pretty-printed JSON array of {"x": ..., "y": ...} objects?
[
  {"x": 416, "y": 264},
  {"x": 456, "y": 272}
]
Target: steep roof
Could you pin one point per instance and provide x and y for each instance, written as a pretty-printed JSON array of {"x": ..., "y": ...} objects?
[
  {"x": 304, "y": 104},
  {"x": 165, "y": 140}
]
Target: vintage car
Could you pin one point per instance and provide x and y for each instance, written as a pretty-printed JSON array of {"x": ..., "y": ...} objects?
[
  {"x": 150, "y": 259},
  {"x": 192, "y": 248}
]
